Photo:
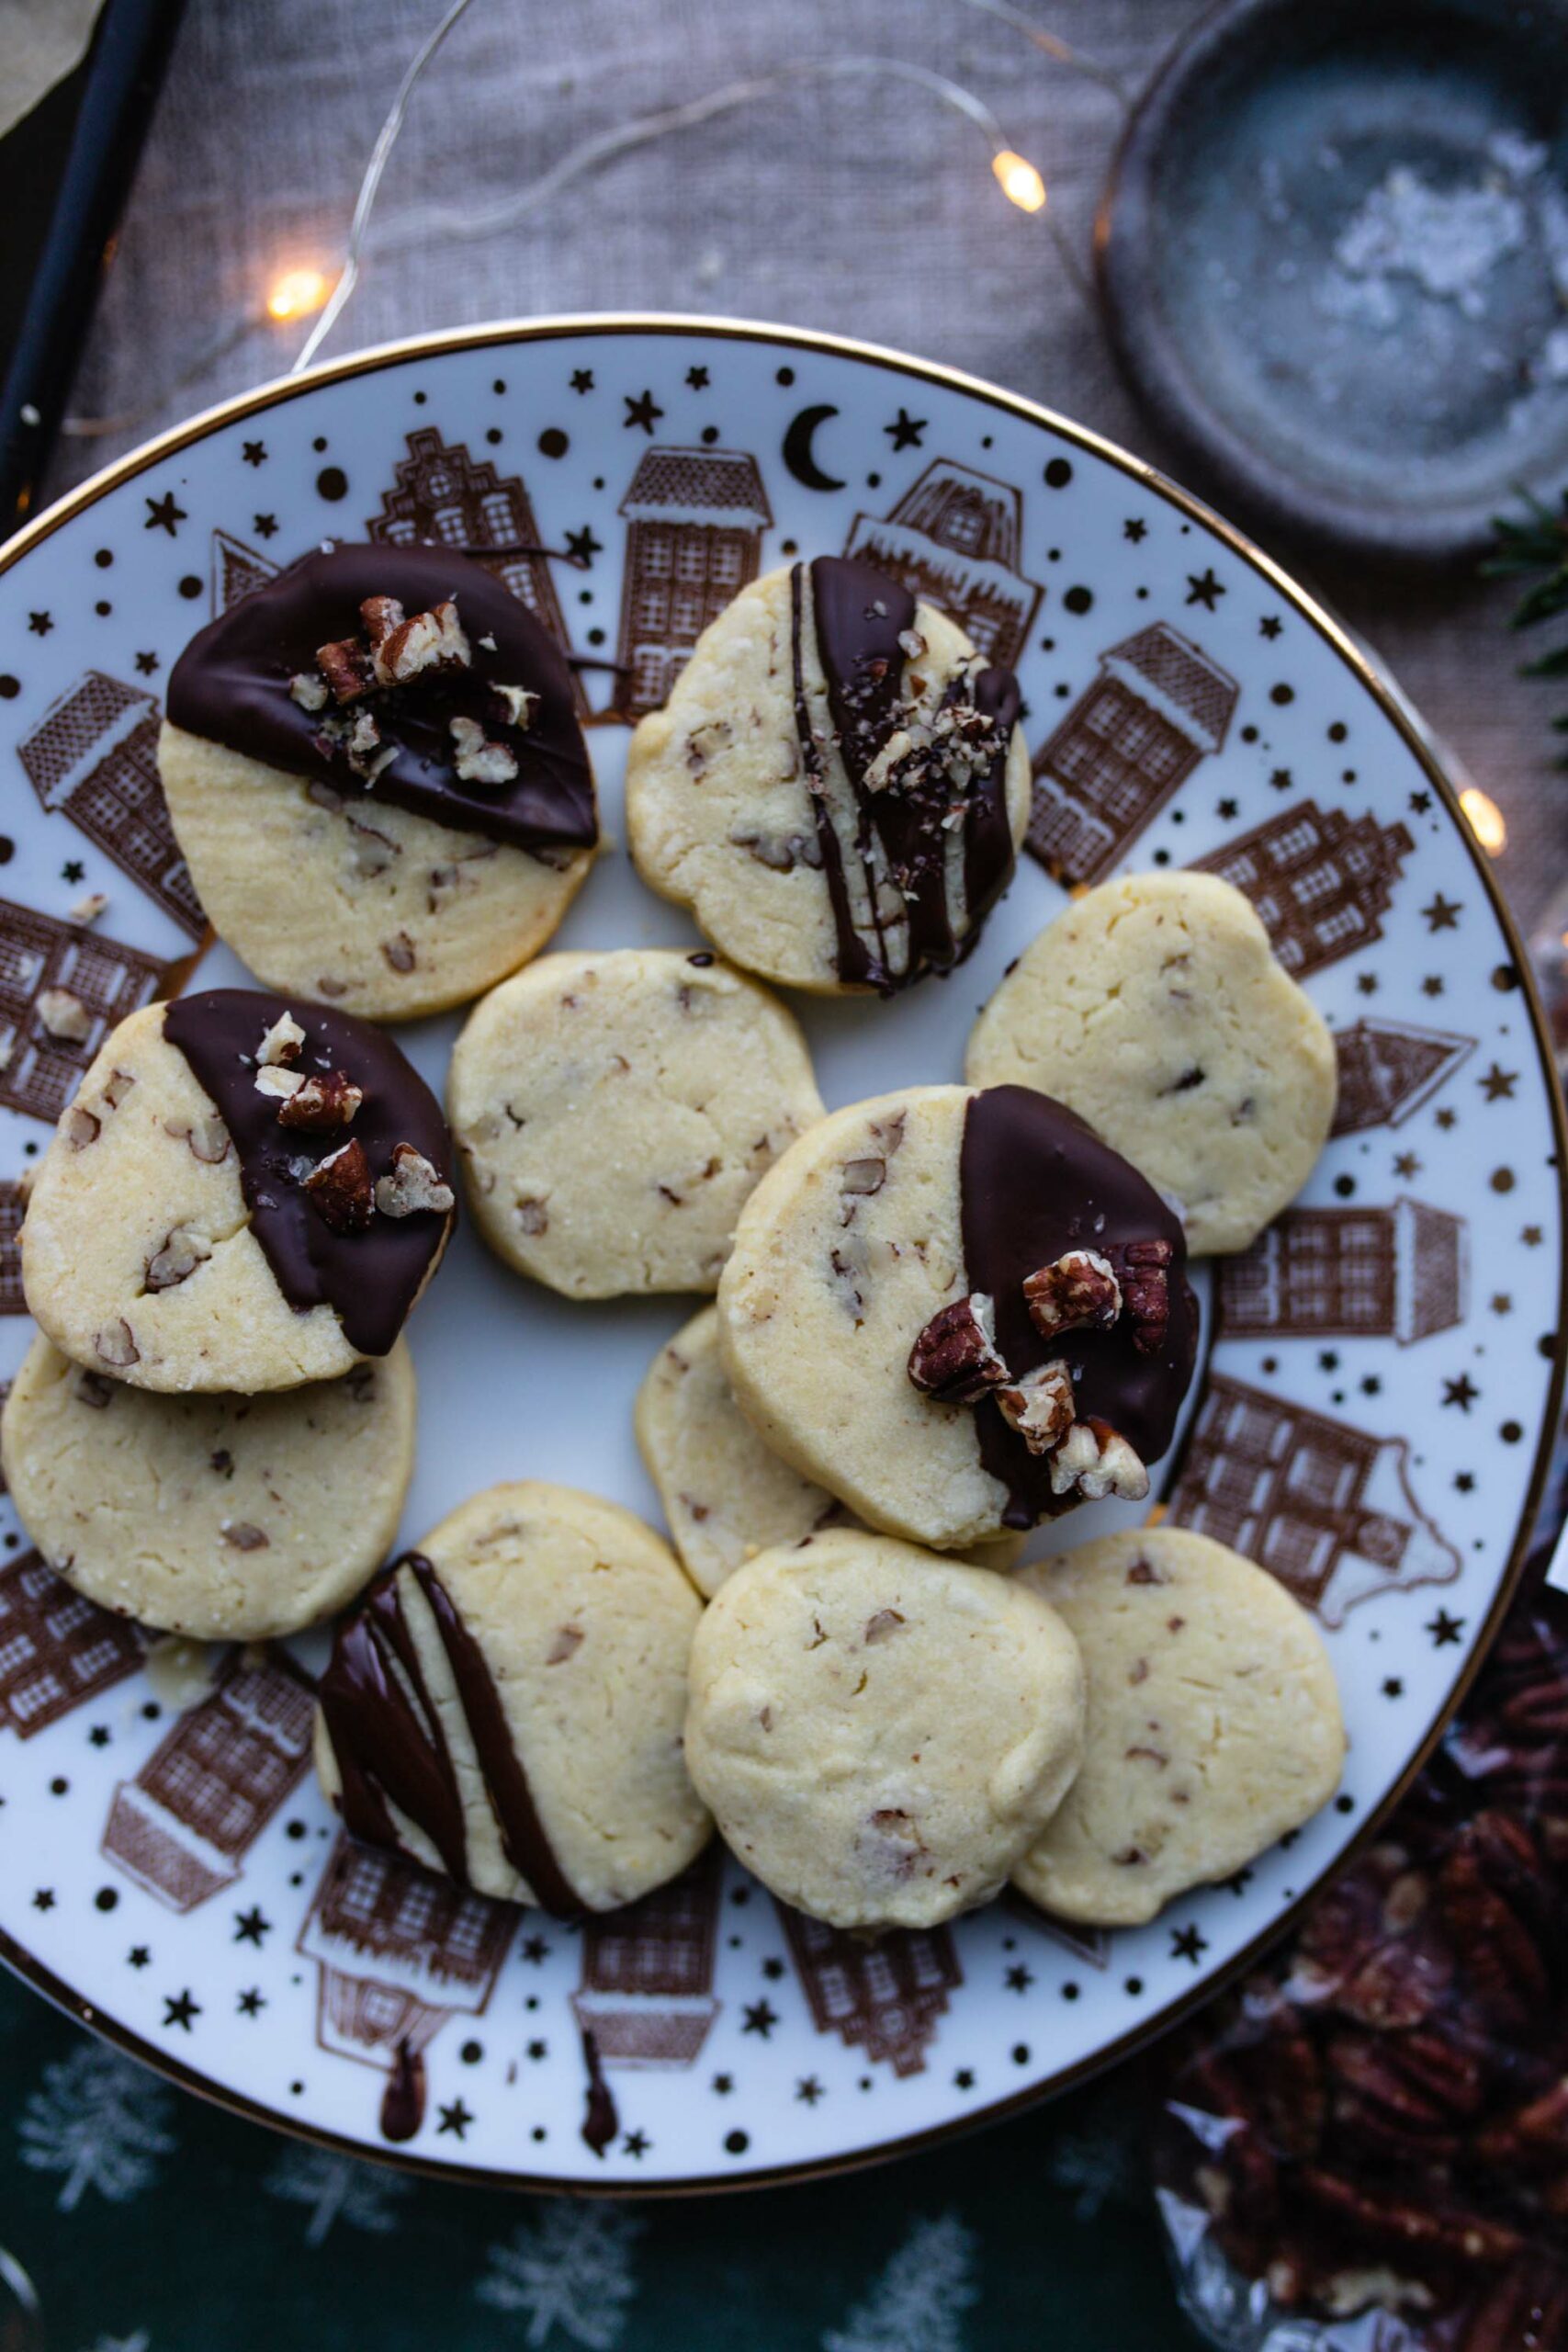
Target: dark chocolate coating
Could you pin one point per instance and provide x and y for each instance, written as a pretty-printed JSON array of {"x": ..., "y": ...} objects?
[
  {"x": 1035, "y": 1181},
  {"x": 370, "y": 1278},
  {"x": 231, "y": 685},
  {"x": 858, "y": 617},
  {"x": 391, "y": 1746}
]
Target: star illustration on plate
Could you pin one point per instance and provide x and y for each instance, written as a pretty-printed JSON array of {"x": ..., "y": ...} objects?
[
  {"x": 147, "y": 664},
  {"x": 139, "y": 1957},
  {"x": 964, "y": 2080},
  {"x": 1498, "y": 1083},
  {"x": 643, "y": 411},
  {"x": 723, "y": 2084},
  {"x": 1367, "y": 983},
  {"x": 251, "y": 2002},
  {"x": 454, "y": 2118},
  {"x": 1445, "y": 1630},
  {"x": 40, "y": 623},
  {"x": 697, "y": 378},
  {"x": 809, "y": 2089},
  {"x": 636, "y": 2144},
  {"x": 1392, "y": 1686},
  {"x": 263, "y": 525},
  {"x": 100, "y": 1735},
  {"x": 1282, "y": 779},
  {"x": 1432, "y": 985},
  {"x": 1019, "y": 1978},
  {"x": 1203, "y": 588},
  {"x": 1239, "y": 1881},
  {"x": 1461, "y": 1392},
  {"x": 255, "y": 453},
  {"x": 1443, "y": 914},
  {"x": 1270, "y": 625},
  {"x": 772, "y": 1967},
  {"x": 1135, "y": 528},
  {"x": 1465, "y": 1481},
  {"x": 1530, "y": 1236},
  {"x": 44, "y": 1899},
  {"x": 180, "y": 2008},
  {"x": 73, "y": 870},
  {"x": 1225, "y": 808},
  {"x": 535, "y": 1949},
  {"x": 582, "y": 379},
  {"x": 1445, "y": 1118},
  {"x": 537, "y": 2049},
  {"x": 1405, "y": 1163},
  {"x": 163, "y": 514},
  {"x": 582, "y": 547},
  {"x": 1501, "y": 1303},
  {"x": 760, "y": 2016},
  {"x": 906, "y": 430},
  {"x": 1420, "y": 802},
  {"x": 251, "y": 1926},
  {"x": 1186, "y": 1943}
]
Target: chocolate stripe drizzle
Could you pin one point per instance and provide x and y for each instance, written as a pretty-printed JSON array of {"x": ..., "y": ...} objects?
[
  {"x": 390, "y": 1749},
  {"x": 231, "y": 685},
  {"x": 369, "y": 1278},
  {"x": 902, "y": 845},
  {"x": 1034, "y": 1182}
]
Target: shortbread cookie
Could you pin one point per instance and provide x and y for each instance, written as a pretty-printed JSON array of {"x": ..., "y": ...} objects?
[
  {"x": 959, "y": 1312},
  {"x": 611, "y": 1111},
  {"x": 1214, "y": 1723},
  {"x": 222, "y": 1518},
  {"x": 506, "y": 1703},
  {"x": 838, "y": 785},
  {"x": 1156, "y": 1009},
  {"x": 726, "y": 1494},
  {"x": 375, "y": 769},
  {"x": 245, "y": 1194},
  {"x": 881, "y": 1733}
]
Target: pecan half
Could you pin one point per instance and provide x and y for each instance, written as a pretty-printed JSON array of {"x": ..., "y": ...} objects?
[
  {"x": 319, "y": 1103},
  {"x": 341, "y": 1188},
  {"x": 477, "y": 760},
  {"x": 346, "y": 668},
  {"x": 1143, "y": 1271},
  {"x": 1039, "y": 1407},
  {"x": 1075, "y": 1293},
  {"x": 432, "y": 641},
  {"x": 955, "y": 1359},
  {"x": 413, "y": 1184},
  {"x": 1098, "y": 1461}
]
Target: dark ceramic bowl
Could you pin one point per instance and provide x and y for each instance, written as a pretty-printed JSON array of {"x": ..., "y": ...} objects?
[{"x": 1333, "y": 258}]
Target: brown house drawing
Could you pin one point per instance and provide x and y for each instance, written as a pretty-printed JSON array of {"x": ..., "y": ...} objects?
[
  {"x": 646, "y": 1990},
  {"x": 1396, "y": 1273},
  {"x": 236, "y": 569},
  {"x": 955, "y": 537},
  {"x": 1159, "y": 705},
  {"x": 400, "y": 1951},
  {"x": 1320, "y": 880},
  {"x": 883, "y": 1998},
  {"x": 443, "y": 497},
  {"x": 1325, "y": 1508},
  {"x": 39, "y": 1074},
  {"x": 94, "y": 755},
  {"x": 13, "y": 1204},
  {"x": 57, "y": 1648},
  {"x": 184, "y": 1825},
  {"x": 1388, "y": 1069},
  {"x": 695, "y": 523}
]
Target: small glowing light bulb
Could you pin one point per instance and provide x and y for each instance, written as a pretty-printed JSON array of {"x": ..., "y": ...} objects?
[
  {"x": 296, "y": 294},
  {"x": 1485, "y": 820},
  {"x": 1021, "y": 183}
]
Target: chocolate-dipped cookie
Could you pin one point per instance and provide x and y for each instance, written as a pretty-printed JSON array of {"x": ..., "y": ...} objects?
[
  {"x": 506, "y": 1703},
  {"x": 375, "y": 769},
  {"x": 245, "y": 1194},
  {"x": 837, "y": 785},
  {"x": 959, "y": 1312}
]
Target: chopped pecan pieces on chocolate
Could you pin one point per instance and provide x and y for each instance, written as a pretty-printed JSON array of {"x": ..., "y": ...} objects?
[
  {"x": 342, "y": 1189},
  {"x": 320, "y": 1103},
  {"x": 346, "y": 666},
  {"x": 479, "y": 761},
  {"x": 64, "y": 1016},
  {"x": 1143, "y": 1269},
  {"x": 1039, "y": 1407},
  {"x": 413, "y": 1184},
  {"x": 182, "y": 1252},
  {"x": 308, "y": 691},
  {"x": 282, "y": 1042},
  {"x": 955, "y": 1359},
  {"x": 518, "y": 702},
  {"x": 277, "y": 1082},
  {"x": 401, "y": 648},
  {"x": 1076, "y": 1292},
  {"x": 1096, "y": 1461}
]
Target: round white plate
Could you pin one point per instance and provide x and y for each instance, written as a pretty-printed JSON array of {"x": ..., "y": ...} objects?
[{"x": 1370, "y": 1421}]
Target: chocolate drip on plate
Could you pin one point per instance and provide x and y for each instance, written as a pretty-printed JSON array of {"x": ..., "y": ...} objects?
[
  {"x": 903, "y": 840},
  {"x": 231, "y": 686},
  {"x": 370, "y": 1277},
  {"x": 402, "y": 2101},
  {"x": 600, "y": 2121},
  {"x": 1035, "y": 1181},
  {"x": 387, "y": 1736}
]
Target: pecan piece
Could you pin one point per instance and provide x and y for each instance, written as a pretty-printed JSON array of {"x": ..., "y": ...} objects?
[
  {"x": 80, "y": 1127},
  {"x": 346, "y": 668},
  {"x": 955, "y": 1359},
  {"x": 208, "y": 1139},
  {"x": 318, "y": 1102},
  {"x": 413, "y": 1184},
  {"x": 277, "y": 1082},
  {"x": 432, "y": 641},
  {"x": 182, "y": 1253},
  {"x": 308, "y": 689},
  {"x": 243, "y": 1536},
  {"x": 1098, "y": 1461},
  {"x": 341, "y": 1188},
  {"x": 64, "y": 1016},
  {"x": 1143, "y": 1269},
  {"x": 282, "y": 1042},
  {"x": 1075, "y": 1293},
  {"x": 116, "y": 1346},
  {"x": 1039, "y": 1407},
  {"x": 477, "y": 760}
]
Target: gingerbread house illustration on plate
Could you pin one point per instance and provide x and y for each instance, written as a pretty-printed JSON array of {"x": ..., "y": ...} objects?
[
  {"x": 1325, "y": 1508},
  {"x": 694, "y": 522},
  {"x": 1389, "y": 1068},
  {"x": 236, "y": 571},
  {"x": 94, "y": 755},
  {"x": 442, "y": 497},
  {"x": 955, "y": 538},
  {"x": 13, "y": 1203},
  {"x": 39, "y": 1073},
  {"x": 400, "y": 1951},
  {"x": 1397, "y": 1273},
  {"x": 646, "y": 1990},
  {"x": 182, "y": 1828},
  {"x": 1320, "y": 880},
  {"x": 883, "y": 1998},
  {"x": 1159, "y": 705},
  {"x": 57, "y": 1648}
]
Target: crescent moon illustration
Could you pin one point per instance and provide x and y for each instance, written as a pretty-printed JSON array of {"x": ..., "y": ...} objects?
[{"x": 796, "y": 448}]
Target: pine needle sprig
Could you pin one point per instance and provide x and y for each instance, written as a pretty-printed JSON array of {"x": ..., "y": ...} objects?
[{"x": 1534, "y": 545}]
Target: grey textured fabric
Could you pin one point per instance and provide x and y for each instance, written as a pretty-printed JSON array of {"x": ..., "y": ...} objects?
[{"x": 847, "y": 206}]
